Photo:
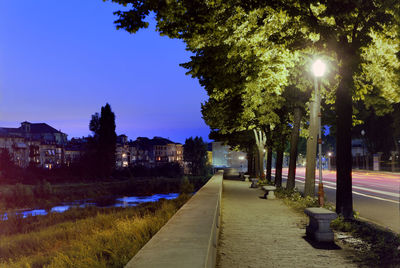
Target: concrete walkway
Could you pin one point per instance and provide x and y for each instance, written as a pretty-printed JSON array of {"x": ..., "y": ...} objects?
[{"x": 266, "y": 233}]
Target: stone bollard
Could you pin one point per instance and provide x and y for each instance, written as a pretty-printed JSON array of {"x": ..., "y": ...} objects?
[
  {"x": 254, "y": 183},
  {"x": 269, "y": 191},
  {"x": 319, "y": 227}
]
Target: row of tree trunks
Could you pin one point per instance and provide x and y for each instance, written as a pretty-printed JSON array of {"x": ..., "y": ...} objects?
[{"x": 256, "y": 156}]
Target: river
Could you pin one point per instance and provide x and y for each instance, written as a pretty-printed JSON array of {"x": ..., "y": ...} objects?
[{"x": 126, "y": 201}]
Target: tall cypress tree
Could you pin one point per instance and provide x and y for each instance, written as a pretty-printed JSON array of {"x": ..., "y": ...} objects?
[{"x": 104, "y": 139}]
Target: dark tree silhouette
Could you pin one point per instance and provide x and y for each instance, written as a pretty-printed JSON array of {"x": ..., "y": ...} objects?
[
  {"x": 195, "y": 154},
  {"x": 103, "y": 142}
]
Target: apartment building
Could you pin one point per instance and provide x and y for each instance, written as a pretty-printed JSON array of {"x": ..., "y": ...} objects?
[{"x": 36, "y": 143}]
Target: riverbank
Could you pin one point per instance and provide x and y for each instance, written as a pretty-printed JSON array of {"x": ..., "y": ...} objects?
[
  {"x": 46, "y": 195},
  {"x": 86, "y": 237}
]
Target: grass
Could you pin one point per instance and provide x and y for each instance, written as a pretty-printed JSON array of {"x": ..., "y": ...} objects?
[
  {"x": 384, "y": 250},
  {"x": 44, "y": 195},
  {"x": 95, "y": 238}
]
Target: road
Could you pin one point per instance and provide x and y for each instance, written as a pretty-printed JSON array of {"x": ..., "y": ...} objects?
[{"x": 376, "y": 195}]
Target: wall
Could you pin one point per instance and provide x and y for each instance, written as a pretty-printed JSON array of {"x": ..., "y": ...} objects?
[{"x": 189, "y": 239}]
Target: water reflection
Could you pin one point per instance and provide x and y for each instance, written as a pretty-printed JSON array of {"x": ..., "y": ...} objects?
[{"x": 126, "y": 201}]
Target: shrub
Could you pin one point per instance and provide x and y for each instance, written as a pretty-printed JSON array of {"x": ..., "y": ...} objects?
[{"x": 186, "y": 187}]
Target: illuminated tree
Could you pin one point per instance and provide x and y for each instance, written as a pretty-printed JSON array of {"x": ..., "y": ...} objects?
[{"x": 260, "y": 41}]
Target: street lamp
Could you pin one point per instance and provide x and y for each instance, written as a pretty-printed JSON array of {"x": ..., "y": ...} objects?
[
  {"x": 329, "y": 160},
  {"x": 363, "y": 144},
  {"x": 318, "y": 69}
]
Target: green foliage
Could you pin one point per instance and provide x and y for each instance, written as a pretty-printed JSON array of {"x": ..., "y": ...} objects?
[
  {"x": 22, "y": 195},
  {"x": 7, "y": 166},
  {"x": 186, "y": 187},
  {"x": 195, "y": 154},
  {"x": 43, "y": 190},
  {"x": 170, "y": 170},
  {"x": 294, "y": 199},
  {"x": 246, "y": 54},
  {"x": 46, "y": 195}
]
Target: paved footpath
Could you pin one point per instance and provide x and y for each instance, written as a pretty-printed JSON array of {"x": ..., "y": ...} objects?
[{"x": 266, "y": 233}]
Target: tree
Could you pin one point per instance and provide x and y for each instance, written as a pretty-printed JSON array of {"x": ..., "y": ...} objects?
[
  {"x": 94, "y": 125},
  {"x": 261, "y": 36},
  {"x": 7, "y": 165},
  {"x": 104, "y": 140},
  {"x": 195, "y": 155},
  {"x": 347, "y": 29}
]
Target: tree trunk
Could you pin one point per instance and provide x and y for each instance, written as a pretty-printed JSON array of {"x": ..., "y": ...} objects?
[
  {"x": 278, "y": 167},
  {"x": 260, "y": 138},
  {"x": 250, "y": 162},
  {"x": 256, "y": 163},
  {"x": 253, "y": 175},
  {"x": 293, "y": 148},
  {"x": 344, "y": 111},
  {"x": 261, "y": 162},
  {"x": 269, "y": 164},
  {"x": 309, "y": 187}
]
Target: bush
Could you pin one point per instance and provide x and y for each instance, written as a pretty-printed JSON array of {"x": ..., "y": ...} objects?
[
  {"x": 23, "y": 195},
  {"x": 186, "y": 187},
  {"x": 43, "y": 190}
]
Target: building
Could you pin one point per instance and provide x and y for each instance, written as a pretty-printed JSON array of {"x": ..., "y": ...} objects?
[
  {"x": 156, "y": 151},
  {"x": 43, "y": 145},
  {"x": 122, "y": 152},
  {"x": 224, "y": 157},
  {"x": 141, "y": 152},
  {"x": 36, "y": 143},
  {"x": 36, "y": 132}
]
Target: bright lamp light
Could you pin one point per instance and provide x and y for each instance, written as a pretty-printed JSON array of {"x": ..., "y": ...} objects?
[{"x": 318, "y": 68}]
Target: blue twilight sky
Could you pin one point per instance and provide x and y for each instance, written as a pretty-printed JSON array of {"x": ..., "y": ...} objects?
[{"x": 60, "y": 61}]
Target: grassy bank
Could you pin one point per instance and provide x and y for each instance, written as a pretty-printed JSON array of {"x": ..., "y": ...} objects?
[
  {"x": 92, "y": 238},
  {"x": 44, "y": 194},
  {"x": 382, "y": 246}
]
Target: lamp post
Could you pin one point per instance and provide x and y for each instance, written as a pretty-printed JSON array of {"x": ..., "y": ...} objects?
[
  {"x": 318, "y": 69},
  {"x": 363, "y": 144},
  {"x": 329, "y": 160}
]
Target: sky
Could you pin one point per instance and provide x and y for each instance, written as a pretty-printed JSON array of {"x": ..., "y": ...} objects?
[{"x": 60, "y": 61}]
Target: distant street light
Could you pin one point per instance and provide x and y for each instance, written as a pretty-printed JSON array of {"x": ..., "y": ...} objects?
[
  {"x": 241, "y": 158},
  {"x": 318, "y": 69},
  {"x": 329, "y": 160},
  {"x": 363, "y": 145}
]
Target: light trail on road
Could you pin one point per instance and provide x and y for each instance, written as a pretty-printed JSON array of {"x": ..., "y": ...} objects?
[
  {"x": 377, "y": 185},
  {"x": 376, "y": 195}
]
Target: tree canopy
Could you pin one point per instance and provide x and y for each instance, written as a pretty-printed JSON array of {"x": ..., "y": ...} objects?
[
  {"x": 195, "y": 155},
  {"x": 246, "y": 53}
]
